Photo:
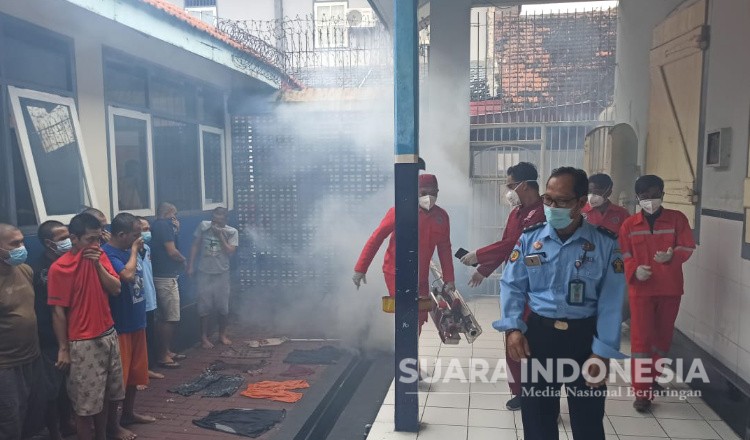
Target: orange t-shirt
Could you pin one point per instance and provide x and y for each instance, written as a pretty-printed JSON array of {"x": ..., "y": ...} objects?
[{"x": 73, "y": 282}]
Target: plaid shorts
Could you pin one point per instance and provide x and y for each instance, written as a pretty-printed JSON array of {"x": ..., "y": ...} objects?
[{"x": 95, "y": 373}]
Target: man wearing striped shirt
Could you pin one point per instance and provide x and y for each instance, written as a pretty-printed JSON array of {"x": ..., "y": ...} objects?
[{"x": 655, "y": 243}]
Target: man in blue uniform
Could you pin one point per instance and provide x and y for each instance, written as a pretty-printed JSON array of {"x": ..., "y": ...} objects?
[{"x": 571, "y": 273}]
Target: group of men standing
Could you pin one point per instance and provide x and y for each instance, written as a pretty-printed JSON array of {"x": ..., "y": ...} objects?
[
  {"x": 73, "y": 330},
  {"x": 571, "y": 255}
]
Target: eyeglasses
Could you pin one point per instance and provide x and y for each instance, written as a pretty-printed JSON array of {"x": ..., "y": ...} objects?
[
  {"x": 558, "y": 203},
  {"x": 648, "y": 196}
]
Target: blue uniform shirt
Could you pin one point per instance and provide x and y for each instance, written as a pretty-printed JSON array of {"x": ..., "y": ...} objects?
[
  {"x": 545, "y": 286},
  {"x": 149, "y": 291}
]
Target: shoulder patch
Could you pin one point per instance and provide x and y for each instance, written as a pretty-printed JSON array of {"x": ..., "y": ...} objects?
[
  {"x": 534, "y": 227},
  {"x": 607, "y": 232},
  {"x": 618, "y": 265}
]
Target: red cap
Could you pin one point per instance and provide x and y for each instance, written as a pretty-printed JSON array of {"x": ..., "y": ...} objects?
[{"x": 428, "y": 181}]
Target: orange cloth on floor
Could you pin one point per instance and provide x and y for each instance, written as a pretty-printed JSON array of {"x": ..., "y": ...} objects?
[{"x": 278, "y": 391}]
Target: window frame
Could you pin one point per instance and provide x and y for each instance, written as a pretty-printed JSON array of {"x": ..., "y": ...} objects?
[
  {"x": 206, "y": 206},
  {"x": 15, "y": 94},
  {"x": 317, "y": 44},
  {"x": 202, "y": 10},
  {"x": 113, "y": 111}
]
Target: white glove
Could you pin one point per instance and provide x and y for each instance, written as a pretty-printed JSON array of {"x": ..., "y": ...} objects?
[
  {"x": 476, "y": 279},
  {"x": 449, "y": 287},
  {"x": 358, "y": 278},
  {"x": 643, "y": 273},
  {"x": 664, "y": 257},
  {"x": 470, "y": 259}
]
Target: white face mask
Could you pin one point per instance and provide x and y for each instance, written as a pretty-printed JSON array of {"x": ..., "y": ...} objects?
[
  {"x": 513, "y": 198},
  {"x": 650, "y": 205},
  {"x": 595, "y": 200},
  {"x": 427, "y": 202}
]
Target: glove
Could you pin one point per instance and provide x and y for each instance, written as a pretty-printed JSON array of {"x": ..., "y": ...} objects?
[
  {"x": 449, "y": 287},
  {"x": 358, "y": 278},
  {"x": 476, "y": 279},
  {"x": 664, "y": 257},
  {"x": 643, "y": 273},
  {"x": 470, "y": 259}
]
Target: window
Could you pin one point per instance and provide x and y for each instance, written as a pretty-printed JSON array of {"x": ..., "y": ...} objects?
[
  {"x": 125, "y": 84},
  {"x": 53, "y": 155},
  {"x": 330, "y": 25},
  {"x": 213, "y": 171},
  {"x": 172, "y": 97},
  {"x": 131, "y": 156},
  {"x": 207, "y": 14},
  {"x": 177, "y": 172}
]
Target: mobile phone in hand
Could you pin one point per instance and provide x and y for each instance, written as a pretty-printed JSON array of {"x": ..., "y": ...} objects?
[{"x": 460, "y": 254}]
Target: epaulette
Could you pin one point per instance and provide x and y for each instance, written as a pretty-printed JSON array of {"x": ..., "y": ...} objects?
[
  {"x": 607, "y": 232},
  {"x": 534, "y": 227}
]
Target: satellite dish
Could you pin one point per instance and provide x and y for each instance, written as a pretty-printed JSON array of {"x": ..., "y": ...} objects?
[{"x": 354, "y": 18}]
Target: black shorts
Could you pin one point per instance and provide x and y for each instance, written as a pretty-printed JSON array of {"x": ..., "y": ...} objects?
[{"x": 52, "y": 378}]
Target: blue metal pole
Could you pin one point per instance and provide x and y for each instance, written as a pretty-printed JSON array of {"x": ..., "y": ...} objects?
[{"x": 406, "y": 90}]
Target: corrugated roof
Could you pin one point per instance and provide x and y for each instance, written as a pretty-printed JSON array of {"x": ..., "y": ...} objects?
[{"x": 182, "y": 15}]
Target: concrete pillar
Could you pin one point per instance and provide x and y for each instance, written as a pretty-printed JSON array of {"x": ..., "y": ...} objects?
[{"x": 445, "y": 136}]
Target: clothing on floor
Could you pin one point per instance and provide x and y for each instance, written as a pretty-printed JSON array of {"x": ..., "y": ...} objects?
[
  {"x": 211, "y": 384},
  {"x": 277, "y": 391},
  {"x": 239, "y": 421},
  {"x": 246, "y": 353},
  {"x": 296, "y": 370},
  {"x": 320, "y": 356},
  {"x": 224, "y": 387}
]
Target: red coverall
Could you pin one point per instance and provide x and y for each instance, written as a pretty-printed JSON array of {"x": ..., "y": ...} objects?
[
  {"x": 434, "y": 231},
  {"x": 612, "y": 219},
  {"x": 492, "y": 256},
  {"x": 655, "y": 302}
]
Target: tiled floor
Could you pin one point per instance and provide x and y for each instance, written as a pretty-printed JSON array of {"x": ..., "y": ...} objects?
[{"x": 476, "y": 410}]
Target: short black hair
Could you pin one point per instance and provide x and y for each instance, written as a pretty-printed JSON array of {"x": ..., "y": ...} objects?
[
  {"x": 601, "y": 180},
  {"x": 220, "y": 210},
  {"x": 648, "y": 181},
  {"x": 123, "y": 222},
  {"x": 524, "y": 171},
  {"x": 143, "y": 219},
  {"x": 82, "y": 222},
  {"x": 580, "y": 179},
  {"x": 45, "y": 230}
]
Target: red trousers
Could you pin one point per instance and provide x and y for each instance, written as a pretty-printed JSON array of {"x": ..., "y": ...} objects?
[
  {"x": 390, "y": 283},
  {"x": 652, "y": 321},
  {"x": 514, "y": 367}
]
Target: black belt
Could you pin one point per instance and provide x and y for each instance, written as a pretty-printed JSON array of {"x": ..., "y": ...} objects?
[{"x": 564, "y": 323}]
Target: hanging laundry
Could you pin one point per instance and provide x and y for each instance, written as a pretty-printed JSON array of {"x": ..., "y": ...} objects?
[
  {"x": 277, "y": 391},
  {"x": 224, "y": 387},
  {"x": 296, "y": 370},
  {"x": 321, "y": 356},
  {"x": 245, "y": 422}
]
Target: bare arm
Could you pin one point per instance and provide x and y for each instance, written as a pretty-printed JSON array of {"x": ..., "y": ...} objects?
[
  {"x": 60, "y": 327},
  {"x": 194, "y": 249},
  {"x": 110, "y": 282},
  {"x": 131, "y": 267},
  {"x": 228, "y": 248},
  {"x": 174, "y": 253}
]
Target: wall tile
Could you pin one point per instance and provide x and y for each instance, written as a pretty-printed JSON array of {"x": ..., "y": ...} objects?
[
  {"x": 727, "y": 312},
  {"x": 725, "y": 351}
]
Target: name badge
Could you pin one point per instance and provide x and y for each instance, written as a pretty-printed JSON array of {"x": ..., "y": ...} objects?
[{"x": 576, "y": 292}]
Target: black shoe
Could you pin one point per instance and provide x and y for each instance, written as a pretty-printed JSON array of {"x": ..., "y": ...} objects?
[
  {"x": 513, "y": 404},
  {"x": 642, "y": 405}
]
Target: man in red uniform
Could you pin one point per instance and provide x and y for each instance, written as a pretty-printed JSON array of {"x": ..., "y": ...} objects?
[
  {"x": 600, "y": 211},
  {"x": 434, "y": 231},
  {"x": 655, "y": 244},
  {"x": 528, "y": 210}
]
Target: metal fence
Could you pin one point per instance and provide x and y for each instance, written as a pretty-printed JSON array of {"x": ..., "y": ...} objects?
[{"x": 540, "y": 83}]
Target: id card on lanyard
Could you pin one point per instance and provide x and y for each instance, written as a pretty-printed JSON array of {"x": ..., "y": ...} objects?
[{"x": 577, "y": 287}]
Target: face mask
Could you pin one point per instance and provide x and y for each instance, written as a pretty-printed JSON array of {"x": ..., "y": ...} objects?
[
  {"x": 16, "y": 256},
  {"x": 427, "y": 202},
  {"x": 146, "y": 235},
  {"x": 63, "y": 246},
  {"x": 595, "y": 200},
  {"x": 558, "y": 218},
  {"x": 513, "y": 198},
  {"x": 650, "y": 205}
]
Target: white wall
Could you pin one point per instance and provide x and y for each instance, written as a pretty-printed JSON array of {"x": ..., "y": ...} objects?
[
  {"x": 636, "y": 19},
  {"x": 728, "y": 100},
  {"x": 246, "y": 10}
]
